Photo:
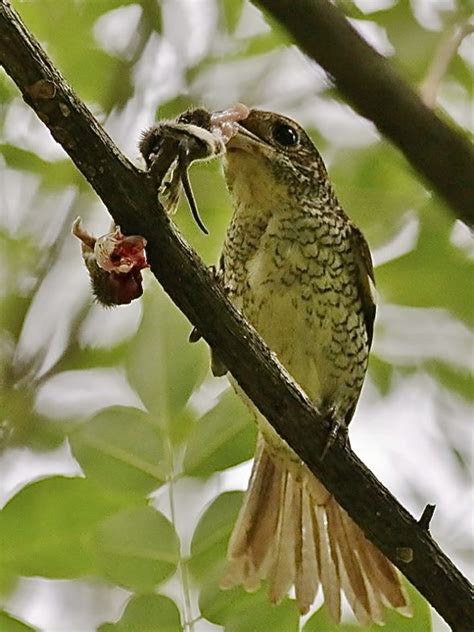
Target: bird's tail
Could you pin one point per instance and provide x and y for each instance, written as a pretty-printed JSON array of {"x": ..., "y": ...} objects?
[{"x": 291, "y": 531}]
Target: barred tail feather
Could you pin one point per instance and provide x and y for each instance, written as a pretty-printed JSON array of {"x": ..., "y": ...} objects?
[
  {"x": 306, "y": 557},
  {"x": 282, "y": 569},
  {"x": 291, "y": 531}
]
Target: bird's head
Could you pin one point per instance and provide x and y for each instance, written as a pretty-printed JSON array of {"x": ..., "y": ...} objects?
[{"x": 272, "y": 156}]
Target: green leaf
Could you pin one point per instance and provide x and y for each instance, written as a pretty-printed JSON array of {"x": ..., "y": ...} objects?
[
  {"x": 120, "y": 448},
  {"x": 457, "y": 380},
  {"x": 414, "y": 44},
  {"x": 79, "y": 358},
  {"x": 381, "y": 373},
  {"x": 420, "y": 622},
  {"x": 8, "y": 580},
  {"x": 48, "y": 516},
  {"x": 435, "y": 274},
  {"x": 280, "y": 34},
  {"x": 71, "y": 44},
  {"x": 239, "y": 611},
  {"x": 10, "y": 624},
  {"x": 162, "y": 367},
  {"x": 223, "y": 437},
  {"x": 137, "y": 548},
  {"x": 210, "y": 190},
  {"x": 462, "y": 72},
  {"x": 232, "y": 10},
  {"x": 320, "y": 622},
  {"x": 265, "y": 43},
  {"x": 173, "y": 107},
  {"x": 54, "y": 175},
  {"x": 211, "y": 535},
  {"x": 375, "y": 187},
  {"x": 7, "y": 88},
  {"x": 147, "y": 613},
  {"x": 21, "y": 425}
]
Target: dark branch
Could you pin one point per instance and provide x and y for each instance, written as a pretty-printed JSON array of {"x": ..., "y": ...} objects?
[
  {"x": 426, "y": 516},
  {"x": 130, "y": 196},
  {"x": 442, "y": 155}
]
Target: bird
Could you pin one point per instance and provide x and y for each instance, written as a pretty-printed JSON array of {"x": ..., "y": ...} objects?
[{"x": 301, "y": 273}]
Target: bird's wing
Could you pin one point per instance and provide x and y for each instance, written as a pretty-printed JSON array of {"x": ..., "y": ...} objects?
[
  {"x": 365, "y": 280},
  {"x": 217, "y": 367}
]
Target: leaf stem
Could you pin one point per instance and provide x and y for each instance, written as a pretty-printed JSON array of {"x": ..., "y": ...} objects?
[{"x": 182, "y": 569}]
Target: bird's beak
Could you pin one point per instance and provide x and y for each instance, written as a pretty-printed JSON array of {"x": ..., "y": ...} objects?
[
  {"x": 246, "y": 132},
  {"x": 244, "y": 139}
]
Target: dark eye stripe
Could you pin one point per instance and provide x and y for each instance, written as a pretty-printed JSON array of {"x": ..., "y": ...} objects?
[{"x": 285, "y": 135}]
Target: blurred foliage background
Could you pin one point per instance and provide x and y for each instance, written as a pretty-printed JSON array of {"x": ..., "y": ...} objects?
[{"x": 121, "y": 458}]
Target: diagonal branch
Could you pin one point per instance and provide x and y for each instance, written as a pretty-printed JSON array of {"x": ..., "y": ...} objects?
[
  {"x": 131, "y": 199},
  {"x": 441, "y": 154}
]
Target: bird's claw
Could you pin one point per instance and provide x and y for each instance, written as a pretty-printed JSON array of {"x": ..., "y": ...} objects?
[{"x": 338, "y": 429}]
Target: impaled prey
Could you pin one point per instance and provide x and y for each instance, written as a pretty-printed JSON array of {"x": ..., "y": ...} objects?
[{"x": 170, "y": 147}]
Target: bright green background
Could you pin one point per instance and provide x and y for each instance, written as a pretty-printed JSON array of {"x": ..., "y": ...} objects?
[{"x": 123, "y": 483}]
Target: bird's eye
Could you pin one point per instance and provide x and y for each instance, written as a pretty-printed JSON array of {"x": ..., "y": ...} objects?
[{"x": 285, "y": 135}]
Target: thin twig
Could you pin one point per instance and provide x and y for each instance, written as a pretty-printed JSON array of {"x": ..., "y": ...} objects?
[
  {"x": 446, "y": 50},
  {"x": 426, "y": 517}
]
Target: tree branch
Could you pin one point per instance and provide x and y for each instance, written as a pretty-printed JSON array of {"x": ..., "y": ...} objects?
[
  {"x": 132, "y": 201},
  {"x": 444, "y": 157}
]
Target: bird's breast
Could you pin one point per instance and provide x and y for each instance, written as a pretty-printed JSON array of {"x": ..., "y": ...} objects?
[{"x": 293, "y": 278}]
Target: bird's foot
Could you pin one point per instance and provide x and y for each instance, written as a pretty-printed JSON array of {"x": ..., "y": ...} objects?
[{"x": 339, "y": 428}]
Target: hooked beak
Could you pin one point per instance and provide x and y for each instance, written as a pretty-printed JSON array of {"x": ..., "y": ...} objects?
[{"x": 245, "y": 140}]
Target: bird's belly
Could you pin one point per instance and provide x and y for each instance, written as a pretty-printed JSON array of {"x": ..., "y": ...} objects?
[
  {"x": 314, "y": 325},
  {"x": 301, "y": 342}
]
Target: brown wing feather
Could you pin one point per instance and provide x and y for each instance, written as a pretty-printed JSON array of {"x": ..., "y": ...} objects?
[{"x": 365, "y": 279}]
